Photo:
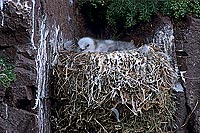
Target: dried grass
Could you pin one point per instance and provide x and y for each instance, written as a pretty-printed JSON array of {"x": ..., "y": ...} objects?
[{"x": 122, "y": 91}]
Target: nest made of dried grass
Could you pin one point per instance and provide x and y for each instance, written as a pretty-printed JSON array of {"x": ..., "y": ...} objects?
[{"x": 122, "y": 91}]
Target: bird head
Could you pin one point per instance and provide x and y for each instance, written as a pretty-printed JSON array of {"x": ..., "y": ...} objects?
[{"x": 87, "y": 44}]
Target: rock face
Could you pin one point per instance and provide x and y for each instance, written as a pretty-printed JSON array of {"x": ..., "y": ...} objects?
[
  {"x": 16, "y": 102},
  {"x": 16, "y": 44},
  {"x": 21, "y": 34},
  {"x": 14, "y": 120},
  {"x": 187, "y": 38}
]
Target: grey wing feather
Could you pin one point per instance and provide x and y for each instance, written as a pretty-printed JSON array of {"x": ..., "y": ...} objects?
[{"x": 120, "y": 46}]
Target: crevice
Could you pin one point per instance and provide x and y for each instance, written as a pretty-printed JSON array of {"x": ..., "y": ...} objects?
[
  {"x": 8, "y": 99},
  {"x": 24, "y": 104},
  {"x": 190, "y": 117},
  {"x": 4, "y": 47}
]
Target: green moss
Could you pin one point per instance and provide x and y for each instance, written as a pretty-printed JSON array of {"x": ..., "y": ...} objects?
[
  {"x": 195, "y": 8},
  {"x": 130, "y": 12},
  {"x": 7, "y": 74}
]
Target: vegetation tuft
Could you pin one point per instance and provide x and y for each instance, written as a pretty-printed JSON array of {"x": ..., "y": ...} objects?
[
  {"x": 129, "y": 12},
  {"x": 7, "y": 74}
]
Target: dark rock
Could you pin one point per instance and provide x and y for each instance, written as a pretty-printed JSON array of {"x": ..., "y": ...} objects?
[
  {"x": 194, "y": 23},
  {"x": 25, "y": 69},
  {"x": 181, "y": 61},
  {"x": 13, "y": 120},
  {"x": 16, "y": 25},
  {"x": 187, "y": 39},
  {"x": 8, "y": 53},
  {"x": 16, "y": 48},
  {"x": 2, "y": 93},
  {"x": 23, "y": 97},
  {"x": 181, "y": 113}
]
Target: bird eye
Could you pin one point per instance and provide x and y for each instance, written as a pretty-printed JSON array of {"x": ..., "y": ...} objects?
[{"x": 87, "y": 45}]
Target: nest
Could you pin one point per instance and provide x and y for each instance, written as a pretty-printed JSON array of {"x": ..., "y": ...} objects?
[{"x": 122, "y": 91}]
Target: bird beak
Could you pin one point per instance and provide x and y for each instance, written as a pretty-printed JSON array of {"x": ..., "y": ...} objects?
[{"x": 81, "y": 49}]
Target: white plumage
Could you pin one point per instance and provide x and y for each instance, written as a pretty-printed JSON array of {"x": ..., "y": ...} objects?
[{"x": 87, "y": 44}]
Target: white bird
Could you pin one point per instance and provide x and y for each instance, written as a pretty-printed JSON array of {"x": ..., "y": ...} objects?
[{"x": 88, "y": 44}]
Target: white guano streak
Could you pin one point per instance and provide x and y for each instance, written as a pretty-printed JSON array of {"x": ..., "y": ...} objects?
[
  {"x": 55, "y": 44},
  {"x": 6, "y": 118},
  {"x": 2, "y": 13},
  {"x": 33, "y": 24},
  {"x": 41, "y": 66}
]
